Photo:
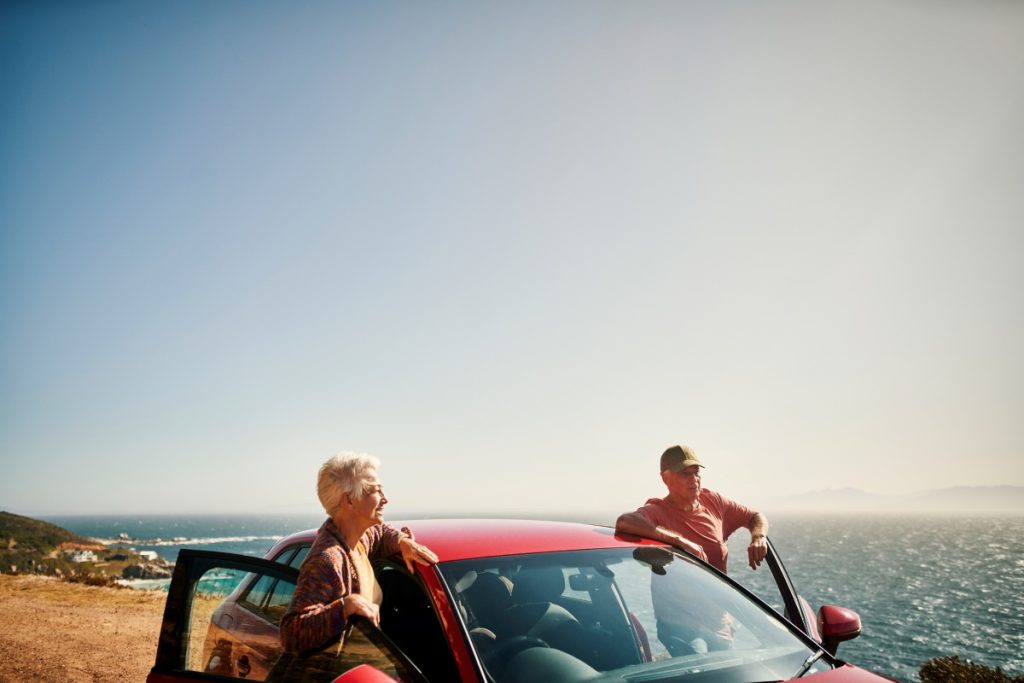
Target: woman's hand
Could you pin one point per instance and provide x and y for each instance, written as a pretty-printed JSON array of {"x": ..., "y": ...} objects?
[
  {"x": 413, "y": 552},
  {"x": 357, "y": 604}
]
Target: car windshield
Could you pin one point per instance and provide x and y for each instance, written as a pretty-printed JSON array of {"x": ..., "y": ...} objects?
[{"x": 623, "y": 614}]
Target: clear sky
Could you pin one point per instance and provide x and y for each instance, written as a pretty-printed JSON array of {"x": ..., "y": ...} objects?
[{"x": 513, "y": 249}]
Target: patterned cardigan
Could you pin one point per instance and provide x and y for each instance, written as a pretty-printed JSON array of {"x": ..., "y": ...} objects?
[{"x": 316, "y": 615}]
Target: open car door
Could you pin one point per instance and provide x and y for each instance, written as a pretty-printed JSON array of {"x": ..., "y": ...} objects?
[
  {"x": 829, "y": 627},
  {"x": 220, "y": 625}
]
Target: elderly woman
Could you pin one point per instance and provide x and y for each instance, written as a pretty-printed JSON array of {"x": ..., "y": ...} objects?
[{"x": 336, "y": 580}]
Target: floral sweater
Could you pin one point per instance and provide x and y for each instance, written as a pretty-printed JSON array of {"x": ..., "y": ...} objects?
[{"x": 316, "y": 615}]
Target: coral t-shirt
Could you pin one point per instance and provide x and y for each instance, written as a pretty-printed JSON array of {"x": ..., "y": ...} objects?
[{"x": 709, "y": 526}]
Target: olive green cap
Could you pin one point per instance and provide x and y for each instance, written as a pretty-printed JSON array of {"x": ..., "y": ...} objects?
[{"x": 678, "y": 458}]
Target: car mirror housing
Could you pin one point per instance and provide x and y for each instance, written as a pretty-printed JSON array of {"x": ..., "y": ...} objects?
[
  {"x": 837, "y": 624},
  {"x": 364, "y": 673}
]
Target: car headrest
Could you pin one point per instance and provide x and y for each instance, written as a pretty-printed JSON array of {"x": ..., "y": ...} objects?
[
  {"x": 488, "y": 596},
  {"x": 538, "y": 584}
]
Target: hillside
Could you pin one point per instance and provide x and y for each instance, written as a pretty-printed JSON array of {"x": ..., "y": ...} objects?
[
  {"x": 25, "y": 543},
  {"x": 36, "y": 533},
  {"x": 32, "y": 546}
]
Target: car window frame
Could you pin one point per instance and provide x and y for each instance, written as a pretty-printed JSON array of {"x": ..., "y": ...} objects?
[{"x": 793, "y": 612}]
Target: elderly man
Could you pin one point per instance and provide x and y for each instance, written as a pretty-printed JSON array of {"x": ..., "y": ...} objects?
[
  {"x": 699, "y": 521},
  {"x": 693, "y": 518}
]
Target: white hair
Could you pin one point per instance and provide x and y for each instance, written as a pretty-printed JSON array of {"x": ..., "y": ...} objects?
[{"x": 344, "y": 473}]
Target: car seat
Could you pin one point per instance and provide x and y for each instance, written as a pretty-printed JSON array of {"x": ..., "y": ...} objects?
[
  {"x": 488, "y": 597},
  {"x": 535, "y": 613}
]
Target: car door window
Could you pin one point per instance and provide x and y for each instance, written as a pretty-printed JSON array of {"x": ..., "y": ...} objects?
[
  {"x": 222, "y": 621},
  {"x": 299, "y": 556},
  {"x": 770, "y": 582},
  {"x": 268, "y": 598}
]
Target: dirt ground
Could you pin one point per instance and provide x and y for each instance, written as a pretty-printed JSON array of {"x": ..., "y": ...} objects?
[{"x": 51, "y": 630}]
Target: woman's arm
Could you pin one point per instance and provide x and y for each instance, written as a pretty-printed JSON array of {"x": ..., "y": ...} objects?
[
  {"x": 318, "y": 612},
  {"x": 387, "y": 541}
]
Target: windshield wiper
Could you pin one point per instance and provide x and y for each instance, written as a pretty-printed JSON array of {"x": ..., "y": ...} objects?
[{"x": 808, "y": 663}]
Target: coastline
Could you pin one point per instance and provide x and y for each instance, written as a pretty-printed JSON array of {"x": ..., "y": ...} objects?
[{"x": 56, "y": 630}]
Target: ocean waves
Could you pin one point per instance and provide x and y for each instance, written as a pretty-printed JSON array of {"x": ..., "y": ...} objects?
[
  {"x": 183, "y": 541},
  {"x": 924, "y": 586}
]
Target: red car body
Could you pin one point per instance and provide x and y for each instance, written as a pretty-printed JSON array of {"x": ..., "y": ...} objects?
[{"x": 467, "y": 549}]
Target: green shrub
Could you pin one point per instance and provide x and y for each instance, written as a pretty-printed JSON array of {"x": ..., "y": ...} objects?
[
  {"x": 952, "y": 670},
  {"x": 93, "y": 580}
]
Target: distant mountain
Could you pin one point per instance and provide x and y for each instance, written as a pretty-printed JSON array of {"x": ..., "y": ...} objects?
[
  {"x": 988, "y": 498},
  {"x": 1005, "y": 499}
]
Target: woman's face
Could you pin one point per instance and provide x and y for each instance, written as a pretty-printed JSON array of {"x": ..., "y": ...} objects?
[{"x": 370, "y": 507}]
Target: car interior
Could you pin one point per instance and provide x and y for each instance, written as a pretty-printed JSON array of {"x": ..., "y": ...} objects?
[{"x": 510, "y": 608}]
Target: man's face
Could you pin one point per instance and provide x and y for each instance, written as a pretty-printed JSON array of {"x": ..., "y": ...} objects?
[{"x": 685, "y": 483}]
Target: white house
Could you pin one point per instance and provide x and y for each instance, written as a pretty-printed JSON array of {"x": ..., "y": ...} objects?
[{"x": 83, "y": 556}]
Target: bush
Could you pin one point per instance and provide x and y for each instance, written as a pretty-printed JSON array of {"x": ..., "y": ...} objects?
[
  {"x": 952, "y": 670},
  {"x": 94, "y": 580}
]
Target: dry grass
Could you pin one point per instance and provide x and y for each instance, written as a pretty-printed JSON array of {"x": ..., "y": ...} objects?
[{"x": 54, "y": 630}]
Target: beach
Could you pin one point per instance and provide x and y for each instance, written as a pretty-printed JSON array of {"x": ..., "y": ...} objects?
[{"x": 53, "y": 630}]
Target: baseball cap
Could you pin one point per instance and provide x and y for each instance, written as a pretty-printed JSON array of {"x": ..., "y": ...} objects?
[{"x": 677, "y": 458}]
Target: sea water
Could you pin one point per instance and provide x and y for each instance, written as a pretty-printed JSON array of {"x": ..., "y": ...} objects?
[{"x": 924, "y": 586}]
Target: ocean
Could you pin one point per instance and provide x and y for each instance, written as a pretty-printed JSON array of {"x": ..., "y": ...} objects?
[{"x": 925, "y": 586}]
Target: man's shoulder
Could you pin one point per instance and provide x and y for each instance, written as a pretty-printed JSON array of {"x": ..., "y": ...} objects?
[
  {"x": 708, "y": 494},
  {"x": 713, "y": 500},
  {"x": 654, "y": 510}
]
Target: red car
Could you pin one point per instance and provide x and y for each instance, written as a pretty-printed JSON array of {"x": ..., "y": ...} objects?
[{"x": 508, "y": 601}]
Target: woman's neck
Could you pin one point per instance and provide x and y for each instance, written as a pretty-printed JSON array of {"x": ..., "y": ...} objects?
[{"x": 351, "y": 530}]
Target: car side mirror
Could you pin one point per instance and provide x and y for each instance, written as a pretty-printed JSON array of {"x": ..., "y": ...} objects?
[
  {"x": 364, "y": 673},
  {"x": 837, "y": 624}
]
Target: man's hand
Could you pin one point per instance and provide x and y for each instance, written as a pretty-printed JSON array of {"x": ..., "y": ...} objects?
[
  {"x": 757, "y": 550},
  {"x": 413, "y": 552}
]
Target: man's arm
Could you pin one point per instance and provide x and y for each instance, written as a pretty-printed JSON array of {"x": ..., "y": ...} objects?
[
  {"x": 636, "y": 524},
  {"x": 758, "y": 548}
]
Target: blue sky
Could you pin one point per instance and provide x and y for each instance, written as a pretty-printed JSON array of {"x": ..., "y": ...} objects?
[{"x": 514, "y": 250}]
